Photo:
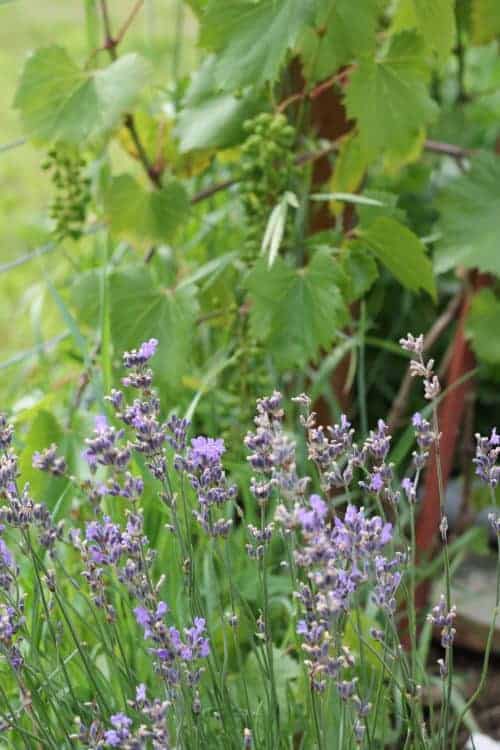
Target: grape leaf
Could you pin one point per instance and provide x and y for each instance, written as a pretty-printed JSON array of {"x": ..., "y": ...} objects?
[
  {"x": 389, "y": 99},
  {"x": 209, "y": 119},
  {"x": 482, "y": 322},
  {"x": 297, "y": 311},
  {"x": 485, "y": 16},
  {"x": 141, "y": 309},
  {"x": 348, "y": 33},
  {"x": 58, "y": 101},
  {"x": 144, "y": 215},
  {"x": 434, "y": 19},
  {"x": 360, "y": 270},
  {"x": 401, "y": 252},
  {"x": 469, "y": 221},
  {"x": 253, "y": 38},
  {"x": 350, "y": 166}
]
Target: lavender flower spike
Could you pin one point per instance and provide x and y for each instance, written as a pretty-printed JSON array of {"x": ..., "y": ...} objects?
[
  {"x": 139, "y": 357},
  {"x": 487, "y": 452}
]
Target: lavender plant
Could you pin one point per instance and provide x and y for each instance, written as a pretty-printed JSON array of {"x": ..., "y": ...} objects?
[{"x": 175, "y": 610}]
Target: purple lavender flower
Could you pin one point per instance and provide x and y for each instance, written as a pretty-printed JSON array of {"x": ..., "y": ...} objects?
[
  {"x": 118, "y": 736},
  {"x": 196, "y": 644},
  {"x": 313, "y": 519},
  {"x": 339, "y": 555},
  {"x": 136, "y": 360},
  {"x": 206, "y": 451},
  {"x": 487, "y": 452},
  {"x": 207, "y": 477},
  {"x": 410, "y": 489},
  {"x": 378, "y": 442},
  {"x": 139, "y": 357},
  {"x": 177, "y": 433},
  {"x": 104, "y": 449},
  {"x": 170, "y": 651}
]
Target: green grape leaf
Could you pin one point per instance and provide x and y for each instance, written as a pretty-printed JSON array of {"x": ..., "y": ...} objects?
[
  {"x": 348, "y": 32},
  {"x": 482, "y": 325},
  {"x": 141, "y": 309},
  {"x": 59, "y": 102},
  {"x": 485, "y": 17},
  {"x": 144, "y": 215},
  {"x": 360, "y": 270},
  {"x": 350, "y": 166},
  {"x": 434, "y": 19},
  {"x": 209, "y": 119},
  {"x": 470, "y": 207},
  {"x": 388, "y": 98},
  {"x": 402, "y": 253},
  {"x": 297, "y": 311},
  {"x": 253, "y": 38}
]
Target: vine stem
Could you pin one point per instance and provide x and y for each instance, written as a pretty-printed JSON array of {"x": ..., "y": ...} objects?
[{"x": 110, "y": 44}]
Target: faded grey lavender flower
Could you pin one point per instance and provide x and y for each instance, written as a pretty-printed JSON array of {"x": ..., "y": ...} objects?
[
  {"x": 247, "y": 739},
  {"x": 260, "y": 539},
  {"x": 155, "y": 712},
  {"x": 8, "y": 568},
  {"x": 347, "y": 688},
  {"x": 131, "y": 488},
  {"x": 420, "y": 368},
  {"x": 495, "y": 523},
  {"x": 6, "y": 433},
  {"x": 487, "y": 452},
  {"x": 331, "y": 449},
  {"x": 9, "y": 471},
  {"x": 359, "y": 731},
  {"x": 443, "y": 668},
  {"x": 388, "y": 578},
  {"x": 22, "y": 512},
  {"x": 442, "y": 618},
  {"x": 48, "y": 460},
  {"x": 426, "y": 437},
  {"x": 317, "y": 645},
  {"x": 11, "y": 621},
  {"x": 272, "y": 453}
]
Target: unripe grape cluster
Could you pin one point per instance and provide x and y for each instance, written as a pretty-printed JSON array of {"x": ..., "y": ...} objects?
[
  {"x": 72, "y": 197},
  {"x": 268, "y": 170}
]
